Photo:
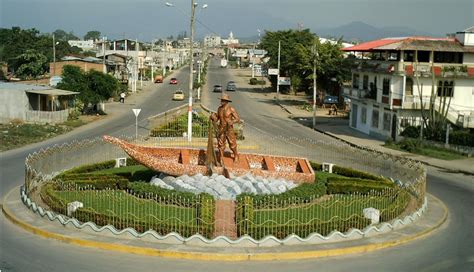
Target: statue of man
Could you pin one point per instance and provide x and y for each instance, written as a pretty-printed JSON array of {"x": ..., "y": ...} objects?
[{"x": 225, "y": 118}]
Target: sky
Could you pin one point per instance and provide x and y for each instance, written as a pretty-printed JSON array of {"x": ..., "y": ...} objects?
[{"x": 147, "y": 19}]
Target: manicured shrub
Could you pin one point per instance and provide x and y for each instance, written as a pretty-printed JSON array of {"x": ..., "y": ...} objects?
[
  {"x": 337, "y": 185},
  {"x": 282, "y": 231},
  {"x": 411, "y": 132},
  {"x": 411, "y": 145},
  {"x": 461, "y": 138},
  {"x": 91, "y": 167},
  {"x": 206, "y": 210},
  {"x": 300, "y": 194},
  {"x": 349, "y": 172},
  {"x": 244, "y": 214},
  {"x": 91, "y": 181}
]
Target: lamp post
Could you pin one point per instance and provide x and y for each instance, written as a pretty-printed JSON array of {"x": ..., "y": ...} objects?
[
  {"x": 315, "y": 55},
  {"x": 191, "y": 64},
  {"x": 54, "y": 55}
]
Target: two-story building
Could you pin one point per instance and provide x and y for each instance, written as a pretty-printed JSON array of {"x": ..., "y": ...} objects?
[{"x": 394, "y": 77}]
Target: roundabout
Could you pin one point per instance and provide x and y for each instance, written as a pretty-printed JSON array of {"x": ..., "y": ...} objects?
[{"x": 112, "y": 198}]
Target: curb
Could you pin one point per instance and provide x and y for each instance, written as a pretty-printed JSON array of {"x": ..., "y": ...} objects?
[{"x": 230, "y": 257}]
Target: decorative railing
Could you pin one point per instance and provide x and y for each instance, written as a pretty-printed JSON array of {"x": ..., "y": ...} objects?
[{"x": 125, "y": 208}]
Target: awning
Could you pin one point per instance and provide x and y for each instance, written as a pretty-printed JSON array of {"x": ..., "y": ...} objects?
[{"x": 52, "y": 92}]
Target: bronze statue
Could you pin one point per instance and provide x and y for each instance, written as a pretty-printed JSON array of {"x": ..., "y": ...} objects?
[{"x": 225, "y": 118}]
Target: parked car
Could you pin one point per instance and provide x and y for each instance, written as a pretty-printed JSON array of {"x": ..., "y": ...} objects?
[
  {"x": 231, "y": 86},
  {"x": 217, "y": 89},
  {"x": 173, "y": 80},
  {"x": 178, "y": 95},
  {"x": 330, "y": 99}
]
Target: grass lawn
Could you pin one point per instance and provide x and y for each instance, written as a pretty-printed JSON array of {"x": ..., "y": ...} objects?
[
  {"x": 431, "y": 151},
  {"x": 337, "y": 206},
  {"x": 15, "y": 135},
  {"x": 119, "y": 203}
]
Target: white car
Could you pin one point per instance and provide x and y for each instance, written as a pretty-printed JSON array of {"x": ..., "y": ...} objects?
[{"x": 178, "y": 95}]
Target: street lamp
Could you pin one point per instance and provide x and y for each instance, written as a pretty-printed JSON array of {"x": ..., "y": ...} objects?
[
  {"x": 54, "y": 55},
  {"x": 191, "y": 64}
]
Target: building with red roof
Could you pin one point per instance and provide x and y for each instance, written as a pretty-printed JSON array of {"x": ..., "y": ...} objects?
[{"x": 394, "y": 77}]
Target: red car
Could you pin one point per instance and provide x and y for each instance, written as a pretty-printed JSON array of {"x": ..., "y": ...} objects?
[{"x": 173, "y": 81}]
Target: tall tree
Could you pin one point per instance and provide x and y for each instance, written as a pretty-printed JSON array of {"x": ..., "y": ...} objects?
[
  {"x": 31, "y": 64},
  {"x": 92, "y": 35},
  {"x": 61, "y": 35},
  {"x": 297, "y": 58}
]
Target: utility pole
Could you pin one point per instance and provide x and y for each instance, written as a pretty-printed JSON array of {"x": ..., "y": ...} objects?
[
  {"x": 103, "y": 55},
  {"x": 135, "y": 76},
  {"x": 278, "y": 76},
  {"x": 54, "y": 56},
  {"x": 315, "y": 55},
  {"x": 191, "y": 83}
]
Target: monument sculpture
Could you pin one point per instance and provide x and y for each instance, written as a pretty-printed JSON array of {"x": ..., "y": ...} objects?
[
  {"x": 224, "y": 120},
  {"x": 192, "y": 161}
]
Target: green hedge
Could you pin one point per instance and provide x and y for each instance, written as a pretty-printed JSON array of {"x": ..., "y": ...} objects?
[
  {"x": 402, "y": 198},
  {"x": 206, "y": 214},
  {"x": 96, "y": 167},
  {"x": 93, "y": 181},
  {"x": 349, "y": 172},
  {"x": 336, "y": 185},
  {"x": 300, "y": 194},
  {"x": 461, "y": 138},
  {"x": 256, "y": 81}
]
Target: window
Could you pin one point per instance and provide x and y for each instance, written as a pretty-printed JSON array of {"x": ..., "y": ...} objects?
[
  {"x": 363, "y": 115},
  {"x": 408, "y": 56},
  {"x": 448, "y": 57},
  {"x": 393, "y": 56},
  {"x": 386, "y": 86},
  {"x": 387, "y": 118},
  {"x": 446, "y": 88},
  {"x": 375, "y": 118},
  {"x": 408, "y": 86},
  {"x": 423, "y": 56},
  {"x": 365, "y": 84},
  {"x": 355, "y": 81}
]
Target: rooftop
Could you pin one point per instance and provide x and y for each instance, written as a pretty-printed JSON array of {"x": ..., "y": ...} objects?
[{"x": 411, "y": 43}]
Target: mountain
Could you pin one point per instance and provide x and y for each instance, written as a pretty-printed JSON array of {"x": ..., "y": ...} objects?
[{"x": 360, "y": 31}]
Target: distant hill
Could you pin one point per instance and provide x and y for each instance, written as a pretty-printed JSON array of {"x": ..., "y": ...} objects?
[{"x": 360, "y": 31}]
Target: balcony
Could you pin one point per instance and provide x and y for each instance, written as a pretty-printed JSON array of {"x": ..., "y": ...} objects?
[{"x": 355, "y": 93}]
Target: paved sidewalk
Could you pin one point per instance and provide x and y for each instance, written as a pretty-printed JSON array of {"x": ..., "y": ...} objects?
[{"x": 338, "y": 126}]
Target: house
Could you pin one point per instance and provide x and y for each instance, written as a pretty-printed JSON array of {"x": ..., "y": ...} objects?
[
  {"x": 394, "y": 77},
  {"x": 34, "y": 103},
  {"x": 86, "y": 64}
]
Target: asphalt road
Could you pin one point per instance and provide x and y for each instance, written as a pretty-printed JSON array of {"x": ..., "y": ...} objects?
[{"x": 449, "y": 249}]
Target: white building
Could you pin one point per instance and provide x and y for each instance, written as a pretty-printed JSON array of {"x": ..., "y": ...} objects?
[
  {"x": 231, "y": 40},
  {"x": 212, "y": 41},
  {"x": 385, "y": 94},
  {"x": 84, "y": 45}
]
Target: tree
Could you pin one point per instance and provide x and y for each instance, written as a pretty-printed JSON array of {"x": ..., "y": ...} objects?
[
  {"x": 434, "y": 118},
  {"x": 92, "y": 35},
  {"x": 94, "y": 86},
  {"x": 61, "y": 35},
  {"x": 297, "y": 58},
  {"x": 16, "y": 41},
  {"x": 31, "y": 64}
]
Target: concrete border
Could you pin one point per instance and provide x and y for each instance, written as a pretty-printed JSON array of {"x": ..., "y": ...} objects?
[{"x": 215, "y": 254}]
